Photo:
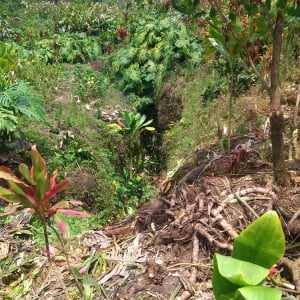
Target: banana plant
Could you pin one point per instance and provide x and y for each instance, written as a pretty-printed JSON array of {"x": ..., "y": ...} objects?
[
  {"x": 134, "y": 124},
  {"x": 131, "y": 125},
  {"x": 255, "y": 251}
]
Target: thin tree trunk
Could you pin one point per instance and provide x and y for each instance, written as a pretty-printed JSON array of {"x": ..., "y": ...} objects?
[{"x": 277, "y": 122}]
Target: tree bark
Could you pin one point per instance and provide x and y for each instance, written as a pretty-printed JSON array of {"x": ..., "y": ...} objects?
[{"x": 281, "y": 174}]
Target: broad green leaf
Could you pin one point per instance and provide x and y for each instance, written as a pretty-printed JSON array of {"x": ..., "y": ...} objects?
[
  {"x": 39, "y": 172},
  {"x": 212, "y": 13},
  {"x": 240, "y": 272},
  {"x": 222, "y": 286},
  {"x": 259, "y": 293},
  {"x": 25, "y": 172},
  {"x": 281, "y": 4},
  {"x": 261, "y": 27},
  {"x": 147, "y": 123},
  {"x": 262, "y": 242},
  {"x": 218, "y": 36},
  {"x": 294, "y": 12},
  {"x": 234, "y": 48}
]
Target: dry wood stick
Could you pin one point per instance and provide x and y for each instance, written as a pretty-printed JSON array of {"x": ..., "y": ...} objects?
[
  {"x": 241, "y": 193},
  {"x": 247, "y": 206},
  {"x": 195, "y": 256},
  {"x": 205, "y": 234},
  {"x": 294, "y": 217}
]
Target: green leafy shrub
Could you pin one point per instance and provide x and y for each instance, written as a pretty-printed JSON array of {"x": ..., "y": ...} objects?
[
  {"x": 69, "y": 47},
  {"x": 185, "y": 6},
  {"x": 131, "y": 127},
  {"x": 19, "y": 100},
  {"x": 91, "y": 18},
  {"x": 243, "y": 77},
  {"x": 9, "y": 61},
  {"x": 7, "y": 31},
  {"x": 71, "y": 152},
  {"x": 214, "y": 89},
  {"x": 255, "y": 251},
  {"x": 23, "y": 100},
  {"x": 157, "y": 45},
  {"x": 131, "y": 186},
  {"x": 130, "y": 191}
]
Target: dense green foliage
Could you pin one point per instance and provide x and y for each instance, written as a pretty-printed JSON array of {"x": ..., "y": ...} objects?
[
  {"x": 16, "y": 101},
  {"x": 17, "y": 98},
  {"x": 157, "y": 45}
]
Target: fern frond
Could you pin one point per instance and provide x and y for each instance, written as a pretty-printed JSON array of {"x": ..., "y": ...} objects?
[
  {"x": 8, "y": 121},
  {"x": 23, "y": 100}
]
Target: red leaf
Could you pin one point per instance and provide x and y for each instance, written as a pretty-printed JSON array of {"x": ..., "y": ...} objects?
[
  {"x": 53, "y": 179},
  {"x": 72, "y": 212},
  {"x": 55, "y": 190},
  {"x": 62, "y": 227},
  {"x": 6, "y": 169}
]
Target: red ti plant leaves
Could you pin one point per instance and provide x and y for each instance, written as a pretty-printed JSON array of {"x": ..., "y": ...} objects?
[
  {"x": 10, "y": 196},
  {"x": 63, "y": 207},
  {"x": 7, "y": 174},
  {"x": 36, "y": 191},
  {"x": 54, "y": 187}
]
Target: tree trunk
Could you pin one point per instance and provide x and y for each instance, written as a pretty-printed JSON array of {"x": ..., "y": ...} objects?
[{"x": 281, "y": 174}]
